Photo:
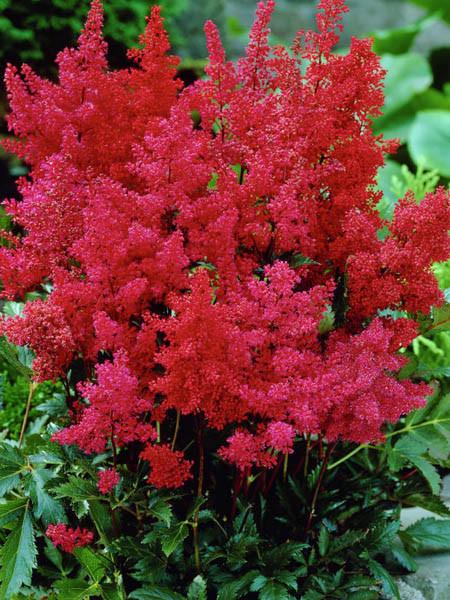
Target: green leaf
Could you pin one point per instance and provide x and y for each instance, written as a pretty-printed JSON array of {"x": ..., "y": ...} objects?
[
  {"x": 404, "y": 558},
  {"x": 380, "y": 573},
  {"x": 94, "y": 563},
  {"x": 155, "y": 592},
  {"x": 399, "y": 40},
  {"x": 274, "y": 591},
  {"x": 258, "y": 583},
  {"x": 45, "y": 507},
  {"x": 324, "y": 541},
  {"x": 429, "y": 141},
  {"x": 11, "y": 465},
  {"x": 77, "y": 489},
  {"x": 197, "y": 589},
  {"x": 18, "y": 557},
  {"x": 442, "y": 8},
  {"x": 173, "y": 537},
  {"x": 162, "y": 511},
  {"x": 298, "y": 260},
  {"x": 12, "y": 510},
  {"x": 430, "y": 534},
  {"x": 76, "y": 589},
  {"x": 432, "y": 503},
  {"x": 407, "y": 75},
  {"x": 398, "y": 123}
]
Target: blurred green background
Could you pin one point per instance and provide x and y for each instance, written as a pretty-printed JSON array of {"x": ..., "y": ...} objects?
[{"x": 413, "y": 38}]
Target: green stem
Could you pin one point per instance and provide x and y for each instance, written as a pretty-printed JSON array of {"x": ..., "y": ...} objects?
[
  {"x": 175, "y": 433},
  {"x": 31, "y": 388},
  {"x": 405, "y": 429}
]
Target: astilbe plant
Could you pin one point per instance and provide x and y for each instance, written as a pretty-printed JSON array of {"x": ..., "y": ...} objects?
[{"x": 213, "y": 254}]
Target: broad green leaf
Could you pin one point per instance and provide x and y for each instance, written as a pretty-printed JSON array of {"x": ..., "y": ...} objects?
[
  {"x": 383, "y": 576},
  {"x": 197, "y": 589},
  {"x": 11, "y": 465},
  {"x": 110, "y": 591},
  {"x": 430, "y": 534},
  {"x": 429, "y": 140},
  {"x": 77, "y": 489},
  {"x": 162, "y": 511},
  {"x": 432, "y": 503},
  {"x": 404, "y": 558},
  {"x": 18, "y": 557},
  {"x": 76, "y": 589},
  {"x": 399, "y": 40},
  {"x": 102, "y": 518},
  {"x": 95, "y": 564},
  {"x": 173, "y": 537},
  {"x": 324, "y": 541},
  {"x": 258, "y": 583},
  {"x": 45, "y": 507},
  {"x": 440, "y": 7},
  {"x": 407, "y": 75},
  {"x": 155, "y": 592},
  {"x": 12, "y": 510},
  {"x": 398, "y": 123},
  {"x": 274, "y": 591}
]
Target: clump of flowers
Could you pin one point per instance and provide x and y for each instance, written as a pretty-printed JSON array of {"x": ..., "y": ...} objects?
[
  {"x": 67, "y": 538},
  {"x": 196, "y": 239},
  {"x": 107, "y": 480}
]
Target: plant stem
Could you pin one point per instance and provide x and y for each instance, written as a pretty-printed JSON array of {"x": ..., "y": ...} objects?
[
  {"x": 285, "y": 466},
  {"x": 175, "y": 433},
  {"x": 405, "y": 429},
  {"x": 201, "y": 468},
  {"x": 31, "y": 388},
  {"x": 323, "y": 469}
]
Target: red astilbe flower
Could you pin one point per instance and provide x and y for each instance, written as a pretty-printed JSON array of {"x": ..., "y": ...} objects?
[
  {"x": 194, "y": 239},
  {"x": 114, "y": 411},
  {"x": 107, "y": 480},
  {"x": 168, "y": 468},
  {"x": 67, "y": 538}
]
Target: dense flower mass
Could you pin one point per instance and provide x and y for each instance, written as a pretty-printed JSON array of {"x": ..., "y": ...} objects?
[
  {"x": 67, "y": 538},
  {"x": 107, "y": 480},
  {"x": 214, "y": 252}
]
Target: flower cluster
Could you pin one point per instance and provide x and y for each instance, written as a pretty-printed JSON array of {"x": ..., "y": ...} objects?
[
  {"x": 107, "y": 480},
  {"x": 67, "y": 538},
  {"x": 195, "y": 242},
  {"x": 168, "y": 468}
]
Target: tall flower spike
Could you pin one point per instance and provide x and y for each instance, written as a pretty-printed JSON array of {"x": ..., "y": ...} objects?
[{"x": 254, "y": 68}]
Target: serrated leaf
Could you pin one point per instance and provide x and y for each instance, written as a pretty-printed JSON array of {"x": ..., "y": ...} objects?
[
  {"x": 173, "y": 537},
  {"x": 383, "y": 576},
  {"x": 234, "y": 589},
  {"x": 430, "y": 534},
  {"x": 94, "y": 563},
  {"x": 404, "y": 559},
  {"x": 258, "y": 583},
  {"x": 155, "y": 592},
  {"x": 162, "y": 511},
  {"x": 11, "y": 465},
  {"x": 274, "y": 591},
  {"x": 12, "y": 510},
  {"x": 77, "y": 489},
  {"x": 18, "y": 557},
  {"x": 432, "y": 503},
  {"x": 76, "y": 589},
  {"x": 324, "y": 541},
  {"x": 45, "y": 507},
  {"x": 197, "y": 589}
]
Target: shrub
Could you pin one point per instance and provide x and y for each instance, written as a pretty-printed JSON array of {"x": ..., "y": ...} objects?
[{"x": 224, "y": 307}]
